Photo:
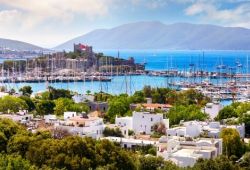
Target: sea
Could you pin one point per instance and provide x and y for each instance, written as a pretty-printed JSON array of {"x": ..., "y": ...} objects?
[{"x": 156, "y": 60}]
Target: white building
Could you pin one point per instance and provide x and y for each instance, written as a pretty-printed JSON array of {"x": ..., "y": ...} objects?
[
  {"x": 125, "y": 124},
  {"x": 212, "y": 109},
  {"x": 186, "y": 152},
  {"x": 196, "y": 128},
  {"x": 50, "y": 119},
  {"x": 68, "y": 115},
  {"x": 140, "y": 122},
  {"x": 82, "y": 126},
  {"x": 79, "y": 98},
  {"x": 23, "y": 118},
  {"x": 193, "y": 128},
  {"x": 130, "y": 142}
]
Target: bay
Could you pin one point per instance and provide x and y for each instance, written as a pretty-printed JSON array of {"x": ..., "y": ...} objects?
[{"x": 156, "y": 60}]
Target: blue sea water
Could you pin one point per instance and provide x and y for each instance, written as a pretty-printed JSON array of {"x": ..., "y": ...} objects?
[
  {"x": 163, "y": 59},
  {"x": 156, "y": 60}
]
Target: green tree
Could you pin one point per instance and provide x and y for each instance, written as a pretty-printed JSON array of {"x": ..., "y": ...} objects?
[
  {"x": 138, "y": 97},
  {"x": 245, "y": 163},
  {"x": 241, "y": 108},
  {"x": 112, "y": 132},
  {"x": 182, "y": 112},
  {"x": 101, "y": 96},
  {"x": 226, "y": 112},
  {"x": 45, "y": 107},
  {"x": 45, "y": 96},
  {"x": 78, "y": 107},
  {"x": 61, "y": 105},
  {"x": 88, "y": 92},
  {"x": 151, "y": 162},
  {"x": 147, "y": 91},
  {"x": 219, "y": 163},
  {"x": 26, "y": 90},
  {"x": 12, "y": 104},
  {"x": 8, "y": 129},
  {"x": 11, "y": 162},
  {"x": 118, "y": 105},
  {"x": 19, "y": 144},
  {"x": 232, "y": 144},
  {"x": 59, "y": 93},
  {"x": 29, "y": 102}
]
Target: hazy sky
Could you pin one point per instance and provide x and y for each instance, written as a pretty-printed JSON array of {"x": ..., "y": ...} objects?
[{"x": 50, "y": 22}]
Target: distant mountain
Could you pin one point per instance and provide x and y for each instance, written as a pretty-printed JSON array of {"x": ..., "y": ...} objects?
[
  {"x": 18, "y": 45},
  {"x": 156, "y": 35}
]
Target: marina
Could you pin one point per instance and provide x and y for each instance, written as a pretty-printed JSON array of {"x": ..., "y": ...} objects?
[{"x": 221, "y": 81}]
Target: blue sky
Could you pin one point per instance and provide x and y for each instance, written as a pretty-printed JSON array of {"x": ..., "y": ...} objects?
[{"x": 50, "y": 22}]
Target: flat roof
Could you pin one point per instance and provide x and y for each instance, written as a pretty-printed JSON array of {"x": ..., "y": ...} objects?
[{"x": 130, "y": 140}]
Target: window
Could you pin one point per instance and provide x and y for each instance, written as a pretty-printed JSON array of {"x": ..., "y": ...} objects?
[{"x": 151, "y": 119}]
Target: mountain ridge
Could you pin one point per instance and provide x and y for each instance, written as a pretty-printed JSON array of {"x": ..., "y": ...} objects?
[
  {"x": 156, "y": 35},
  {"x": 18, "y": 45}
]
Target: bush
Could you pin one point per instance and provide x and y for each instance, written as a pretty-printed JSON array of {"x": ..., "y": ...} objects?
[{"x": 112, "y": 132}]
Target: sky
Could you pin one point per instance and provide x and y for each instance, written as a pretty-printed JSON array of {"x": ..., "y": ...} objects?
[{"x": 48, "y": 23}]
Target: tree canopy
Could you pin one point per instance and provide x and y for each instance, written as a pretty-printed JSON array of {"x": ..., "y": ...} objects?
[
  {"x": 12, "y": 104},
  {"x": 26, "y": 90},
  {"x": 182, "y": 112},
  {"x": 21, "y": 149},
  {"x": 232, "y": 144}
]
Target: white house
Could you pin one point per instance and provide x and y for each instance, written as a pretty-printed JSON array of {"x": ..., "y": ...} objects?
[
  {"x": 212, "y": 109},
  {"x": 50, "y": 119},
  {"x": 68, "y": 115},
  {"x": 125, "y": 124},
  {"x": 177, "y": 131},
  {"x": 83, "y": 126},
  {"x": 21, "y": 118},
  {"x": 186, "y": 152},
  {"x": 140, "y": 122},
  {"x": 144, "y": 121},
  {"x": 78, "y": 98},
  {"x": 130, "y": 142},
  {"x": 196, "y": 128},
  {"x": 190, "y": 128},
  {"x": 193, "y": 128}
]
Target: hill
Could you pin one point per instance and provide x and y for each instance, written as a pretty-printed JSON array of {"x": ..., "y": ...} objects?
[
  {"x": 18, "y": 45},
  {"x": 156, "y": 35}
]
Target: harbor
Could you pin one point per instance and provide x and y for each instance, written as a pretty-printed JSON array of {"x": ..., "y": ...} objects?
[{"x": 120, "y": 73}]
